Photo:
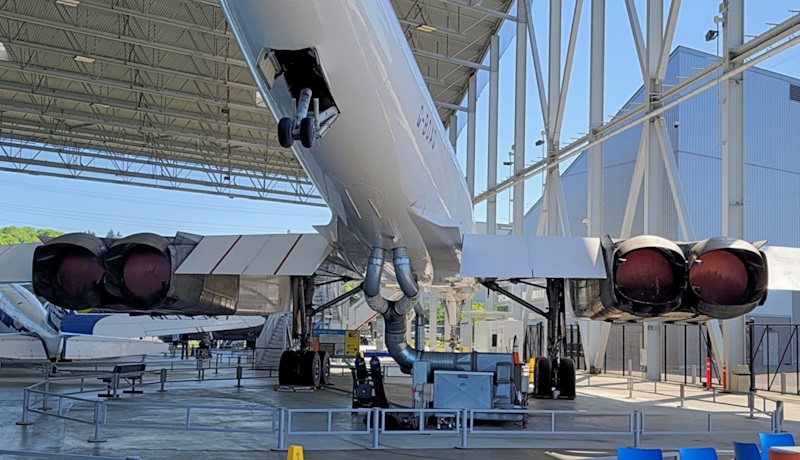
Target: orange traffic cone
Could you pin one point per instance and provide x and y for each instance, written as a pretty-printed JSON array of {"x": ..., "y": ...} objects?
[{"x": 515, "y": 351}]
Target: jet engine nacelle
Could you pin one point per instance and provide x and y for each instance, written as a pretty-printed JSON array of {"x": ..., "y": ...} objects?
[
  {"x": 68, "y": 271},
  {"x": 651, "y": 278},
  {"x": 135, "y": 274}
]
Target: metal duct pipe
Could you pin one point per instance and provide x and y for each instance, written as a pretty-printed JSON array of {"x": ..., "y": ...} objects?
[
  {"x": 419, "y": 340},
  {"x": 405, "y": 355},
  {"x": 402, "y": 268},
  {"x": 372, "y": 283}
]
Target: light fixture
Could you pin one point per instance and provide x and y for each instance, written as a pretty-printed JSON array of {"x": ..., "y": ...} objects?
[
  {"x": 426, "y": 28},
  {"x": 4, "y": 53},
  {"x": 711, "y": 34},
  {"x": 85, "y": 59},
  {"x": 539, "y": 142},
  {"x": 100, "y": 106},
  {"x": 72, "y": 3}
]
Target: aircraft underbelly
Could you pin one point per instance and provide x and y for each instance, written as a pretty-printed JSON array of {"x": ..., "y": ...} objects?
[{"x": 387, "y": 150}]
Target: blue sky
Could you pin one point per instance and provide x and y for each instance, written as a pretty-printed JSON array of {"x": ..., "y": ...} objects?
[{"x": 76, "y": 205}]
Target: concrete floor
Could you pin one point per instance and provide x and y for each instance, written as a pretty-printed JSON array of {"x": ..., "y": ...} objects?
[{"x": 602, "y": 394}]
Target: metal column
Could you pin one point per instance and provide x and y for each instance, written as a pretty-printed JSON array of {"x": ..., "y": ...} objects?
[
  {"x": 472, "y": 103},
  {"x": 733, "y": 164},
  {"x": 494, "y": 88},
  {"x": 519, "y": 113},
  {"x": 433, "y": 310},
  {"x": 553, "y": 96},
  {"x": 453, "y": 131},
  {"x": 654, "y": 169},
  {"x": 595, "y": 333}
]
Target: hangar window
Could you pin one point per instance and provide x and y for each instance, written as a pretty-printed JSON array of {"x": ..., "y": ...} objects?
[
  {"x": 794, "y": 93},
  {"x": 260, "y": 100},
  {"x": 4, "y": 53}
]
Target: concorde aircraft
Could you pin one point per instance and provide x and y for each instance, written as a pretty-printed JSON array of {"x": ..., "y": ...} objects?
[{"x": 352, "y": 105}]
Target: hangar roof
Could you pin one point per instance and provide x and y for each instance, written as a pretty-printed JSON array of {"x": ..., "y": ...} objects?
[{"x": 156, "y": 92}]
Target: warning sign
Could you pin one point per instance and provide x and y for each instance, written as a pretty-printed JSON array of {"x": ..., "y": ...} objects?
[{"x": 339, "y": 343}]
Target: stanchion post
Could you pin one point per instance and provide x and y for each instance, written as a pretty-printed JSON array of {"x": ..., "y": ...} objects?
[
  {"x": 778, "y": 414},
  {"x": 630, "y": 387},
  {"x": 376, "y": 413},
  {"x": 751, "y": 402},
  {"x": 281, "y": 429},
  {"x": 637, "y": 428},
  {"x": 464, "y": 423},
  {"x": 163, "y": 379},
  {"x": 683, "y": 395},
  {"x": 694, "y": 374},
  {"x": 238, "y": 376},
  {"x": 98, "y": 422},
  {"x": 783, "y": 383},
  {"x": 26, "y": 402}
]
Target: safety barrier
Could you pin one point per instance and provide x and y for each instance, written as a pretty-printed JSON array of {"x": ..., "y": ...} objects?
[{"x": 374, "y": 424}]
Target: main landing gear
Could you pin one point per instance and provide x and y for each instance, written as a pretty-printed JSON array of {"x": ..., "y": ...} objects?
[
  {"x": 303, "y": 366},
  {"x": 553, "y": 376}
]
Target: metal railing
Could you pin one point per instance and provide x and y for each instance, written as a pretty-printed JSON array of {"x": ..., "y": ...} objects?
[{"x": 282, "y": 422}]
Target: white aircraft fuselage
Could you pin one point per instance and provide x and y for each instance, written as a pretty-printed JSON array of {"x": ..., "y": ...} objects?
[{"x": 385, "y": 168}]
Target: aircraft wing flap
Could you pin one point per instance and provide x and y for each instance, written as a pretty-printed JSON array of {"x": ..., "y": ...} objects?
[
  {"x": 783, "y": 268},
  {"x": 122, "y": 325},
  {"x": 16, "y": 262},
  {"x": 256, "y": 255},
  {"x": 21, "y": 347},
  {"x": 97, "y": 347},
  {"x": 504, "y": 256}
]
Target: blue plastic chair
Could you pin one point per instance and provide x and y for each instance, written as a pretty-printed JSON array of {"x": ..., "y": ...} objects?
[
  {"x": 632, "y": 453},
  {"x": 745, "y": 451},
  {"x": 698, "y": 453},
  {"x": 773, "y": 440}
]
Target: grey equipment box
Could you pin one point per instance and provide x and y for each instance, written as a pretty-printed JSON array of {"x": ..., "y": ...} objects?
[{"x": 463, "y": 390}]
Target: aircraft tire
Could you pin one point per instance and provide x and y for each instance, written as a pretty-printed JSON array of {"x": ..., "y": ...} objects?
[
  {"x": 285, "y": 138},
  {"x": 310, "y": 369},
  {"x": 566, "y": 379},
  {"x": 542, "y": 378},
  {"x": 307, "y": 132},
  {"x": 287, "y": 369},
  {"x": 325, "y": 361}
]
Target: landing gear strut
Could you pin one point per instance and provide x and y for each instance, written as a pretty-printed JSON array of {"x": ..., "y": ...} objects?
[
  {"x": 553, "y": 376},
  {"x": 304, "y": 366},
  {"x": 303, "y": 127}
]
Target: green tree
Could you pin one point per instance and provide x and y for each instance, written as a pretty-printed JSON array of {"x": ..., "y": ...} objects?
[{"x": 17, "y": 235}]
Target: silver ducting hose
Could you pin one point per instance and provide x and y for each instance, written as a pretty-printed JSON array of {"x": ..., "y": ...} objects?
[
  {"x": 402, "y": 268},
  {"x": 419, "y": 339},
  {"x": 372, "y": 282},
  {"x": 406, "y": 304},
  {"x": 405, "y": 355}
]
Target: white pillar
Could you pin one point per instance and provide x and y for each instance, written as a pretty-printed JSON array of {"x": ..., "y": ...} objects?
[
  {"x": 653, "y": 222},
  {"x": 519, "y": 113},
  {"x": 494, "y": 88},
  {"x": 472, "y": 103},
  {"x": 595, "y": 333},
  {"x": 433, "y": 313},
  {"x": 553, "y": 97},
  {"x": 733, "y": 168}
]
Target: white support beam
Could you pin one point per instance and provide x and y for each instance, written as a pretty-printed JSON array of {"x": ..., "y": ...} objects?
[
  {"x": 494, "y": 89},
  {"x": 474, "y": 6},
  {"x": 554, "y": 72},
  {"x": 451, "y": 60},
  {"x": 636, "y": 186},
  {"x": 638, "y": 38},
  {"x": 448, "y": 105},
  {"x": 472, "y": 103},
  {"x": 733, "y": 166},
  {"x": 519, "y": 114},
  {"x": 537, "y": 65},
  {"x": 595, "y": 333},
  {"x": 673, "y": 176},
  {"x": 452, "y": 130},
  {"x": 573, "y": 37},
  {"x": 669, "y": 35}
]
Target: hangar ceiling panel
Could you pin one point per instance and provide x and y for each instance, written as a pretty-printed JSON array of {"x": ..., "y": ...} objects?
[{"x": 156, "y": 92}]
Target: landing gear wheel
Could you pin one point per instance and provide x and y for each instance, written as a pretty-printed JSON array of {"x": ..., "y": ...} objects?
[
  {"x": 325, "y": 361},
  {"x": 566, "y": 379},
  {"x": 542, "y": 378},
  {"x": 307, "y": 132},
  {"x": 310, "y": 369},
  {"x": 285, "y": 137},
  {"x": 287, "y": 369}
]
